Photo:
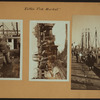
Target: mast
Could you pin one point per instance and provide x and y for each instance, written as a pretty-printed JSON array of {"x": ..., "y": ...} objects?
[
  {"x": 88, "y": 39},
  {"x": 17, "y": 28},
  {"x": 3, "y": 28},
  {"x": 96, "y": 44},
  {"x": 82, "y": 41}
]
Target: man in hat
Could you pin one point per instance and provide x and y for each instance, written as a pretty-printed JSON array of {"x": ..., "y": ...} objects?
[
  {"x": 91, "y": 60},
  {"x": 77, "y": 56}
]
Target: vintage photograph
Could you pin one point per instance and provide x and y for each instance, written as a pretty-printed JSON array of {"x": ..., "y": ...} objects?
[
  {"x": 48, "y": 50},
  {"x": 10, "y": 49},
  {"x": 85, "y": 52}
]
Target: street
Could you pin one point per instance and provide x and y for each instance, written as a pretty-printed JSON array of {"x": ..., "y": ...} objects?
[
  {"x": 11, "y": 70},
  {"x": 82, "y": 78}
]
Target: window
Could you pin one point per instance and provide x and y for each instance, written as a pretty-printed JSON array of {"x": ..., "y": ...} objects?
[{"x": 9, "y": 40}]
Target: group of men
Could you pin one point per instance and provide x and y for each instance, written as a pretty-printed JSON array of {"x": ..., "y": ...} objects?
[{"x": 89, "y": 58}]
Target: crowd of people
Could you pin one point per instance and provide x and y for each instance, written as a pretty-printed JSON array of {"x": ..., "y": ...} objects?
[{"x": 87, "y": 57}]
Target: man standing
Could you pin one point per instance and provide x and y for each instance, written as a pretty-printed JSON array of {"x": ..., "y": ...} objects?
[
  {"x": 77, "y": 56},
  {"x": 91, "y": 60},
  {"x": 80, "y": 57}
]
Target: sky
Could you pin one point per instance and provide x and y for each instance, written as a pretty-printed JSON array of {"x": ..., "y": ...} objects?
[
  {"x": 79, "y": 25},
  {"x": 59, "y": 30},
  {"x": 8, "y": 25}
]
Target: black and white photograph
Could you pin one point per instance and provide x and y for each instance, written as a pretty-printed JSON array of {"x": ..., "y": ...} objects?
[
  {"x": 85, "y": 52},
  {"x": 10, "y": 49},
  {"x": 49, "y": 50}
]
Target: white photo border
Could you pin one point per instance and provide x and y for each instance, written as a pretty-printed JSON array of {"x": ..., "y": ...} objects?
[
  {"x": 68, "y": 49},
  {"x": 21, "y": 46}
]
